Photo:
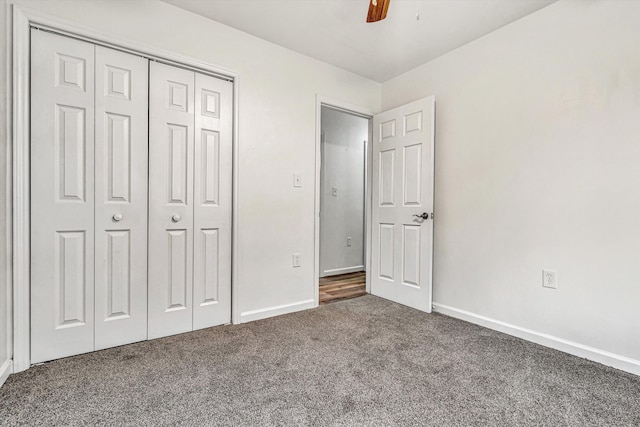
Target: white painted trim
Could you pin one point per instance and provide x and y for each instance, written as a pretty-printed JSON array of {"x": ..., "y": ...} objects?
[
  {"x": 5, "y": 370},
  {"x": 23, "y": 18},
  {"x": 350, "y": 108},
  {"x": 235, "y": 214},
  {"x": 367, "y": 208},
  {"x": 8, "y": 225},
  {"x": 343, "y": 270},
  {"x": 20, "y": 192},
  {"x": 591, "y": 353},
  {"x": 263, "y": 313}
]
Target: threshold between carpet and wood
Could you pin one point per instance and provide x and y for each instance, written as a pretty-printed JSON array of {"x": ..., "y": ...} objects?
[
  {"x": 359, "y": 362},
  {"x": 343, "y": 286}
]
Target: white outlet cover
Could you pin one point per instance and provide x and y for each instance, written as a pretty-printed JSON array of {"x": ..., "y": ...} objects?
[{"x": 550, "y": 278}]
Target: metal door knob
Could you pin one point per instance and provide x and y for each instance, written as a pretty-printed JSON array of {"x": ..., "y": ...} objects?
[
  {"x": 117, "y": 217},
  {"x": 423, "y": 215},
  {"x": 176, "y": 218}
]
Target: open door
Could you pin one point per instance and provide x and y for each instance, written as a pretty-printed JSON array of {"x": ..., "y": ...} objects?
[{"x": 402, "y": 204}]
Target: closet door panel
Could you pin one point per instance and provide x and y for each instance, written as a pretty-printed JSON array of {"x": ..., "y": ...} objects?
[
  {"x": 121, "y": 198},
  {"x": 171, "y": 160},
  {"x": 62, "y": 196},
  {"x": 213, "y": 202}
]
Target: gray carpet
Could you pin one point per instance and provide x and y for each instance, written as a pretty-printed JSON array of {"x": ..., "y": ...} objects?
[{"x": 364, "y": 361}]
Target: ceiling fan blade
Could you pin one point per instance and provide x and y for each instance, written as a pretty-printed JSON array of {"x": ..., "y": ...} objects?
[{"x": 377, "y": 10}]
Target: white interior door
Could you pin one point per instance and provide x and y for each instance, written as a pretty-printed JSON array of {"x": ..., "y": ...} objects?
[
  {"x": 402, "y": 192},
  {"x": 62, "y": 196},
  {"x": 171, "y": 158},
  {"x": 212, "y": 207},
  {"x": 121, "y": 198}
]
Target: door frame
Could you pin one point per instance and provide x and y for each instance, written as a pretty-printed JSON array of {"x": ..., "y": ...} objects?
[
  {"x": 18, "y": 171},
  {"x": 367, "y": 114}
]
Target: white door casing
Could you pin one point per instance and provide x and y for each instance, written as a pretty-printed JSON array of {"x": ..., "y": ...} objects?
[
  {"x": 402, "y": 190},
  {"x": 212, "y": 195},
  {"x": 121, "y": 181},
  {"x": 171, "y": 148},
  {"x": 62, "y": 197}
]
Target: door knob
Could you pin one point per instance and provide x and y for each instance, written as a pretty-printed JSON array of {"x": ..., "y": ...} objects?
[
  {"x": 176, "y": 218},
  {"x": 117, "y": 217},
  {"x": 423, "y": 215}
]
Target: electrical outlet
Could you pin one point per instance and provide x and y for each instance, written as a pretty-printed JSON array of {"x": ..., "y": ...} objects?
[
  {"x": 296, "y": 259},
  {"x": 348, "y": 241},
  {"x": 297, "y": 180},
  {"x": 549, "y": 279}
]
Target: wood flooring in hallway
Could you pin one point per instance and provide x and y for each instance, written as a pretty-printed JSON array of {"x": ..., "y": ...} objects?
[{"x": 343, "y": 286}]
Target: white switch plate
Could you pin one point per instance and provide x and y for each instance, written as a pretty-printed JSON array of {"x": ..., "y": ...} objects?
[
  {"x": 297, "y": 180},
  {"x": 550, "y": 279},
  {"x": 296, "y": 259},
  {"x": 348, "y": 241},
  {"x": 334, "y": 191}
]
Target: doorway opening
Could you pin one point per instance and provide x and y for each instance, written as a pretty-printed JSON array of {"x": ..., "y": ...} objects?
[{"x": 344, "y": 137}]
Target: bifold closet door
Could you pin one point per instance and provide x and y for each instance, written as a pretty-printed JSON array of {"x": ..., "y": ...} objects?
[
  {"x": 88, "y": 197},
  {"x": 62, "y": 196},
  {"x": 213, "y": 198},
  {"x": 171, "y": 156},
  {"x": 190, "y": 154},
  {"x": 121, "y": 179}
]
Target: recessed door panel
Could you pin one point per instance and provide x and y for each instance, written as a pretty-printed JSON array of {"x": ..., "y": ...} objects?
[
  {"x": 118, "y": 275},
  {"x": 70, "y": 277},
  {"x": 210, "y": 273},
  {"x": 62, "y": 198},
  {"x": 212, "y": 210},
  {"x": 387, "y": 178},
  {"x": 412, "y": 178},
  {"x": 121, "y": 197},
  {"x": 210, "y": 185},
  {"x": 386, "y": 249},
  {"x": 171, "y": 189},
  {"x": 411, "y": 255},
  {"x": 71, "y": 144},
  {"x": 178, "y": 266},
  {"x": 178, "y": 173},
  {"x": 118, "y": 141}
]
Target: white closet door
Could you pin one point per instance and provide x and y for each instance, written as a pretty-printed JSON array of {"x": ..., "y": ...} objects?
[
  {"x": 121, "y": 178},
  {"x": 62, "y": 196},
  {"x": 212, "y": 209},
  {"x": 171, "y": 144}
]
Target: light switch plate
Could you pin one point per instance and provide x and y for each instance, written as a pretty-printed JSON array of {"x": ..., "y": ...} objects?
[{"x": 297, "y": 180}]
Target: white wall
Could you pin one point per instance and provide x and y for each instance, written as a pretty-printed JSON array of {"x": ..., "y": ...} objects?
[
  {"x": 538, "y": 166},
  {"x": 342, "y": 214},
  {"x": 277, "y": 112}
]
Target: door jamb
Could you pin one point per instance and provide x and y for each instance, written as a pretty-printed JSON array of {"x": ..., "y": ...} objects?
[
  {"x": 18, "y": 238},
  {"x": 359, "y": 111}
]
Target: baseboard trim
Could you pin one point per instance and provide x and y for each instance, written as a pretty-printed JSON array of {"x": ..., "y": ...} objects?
[
  {"x": 344, "y": 270},
  {"x": 5, "y": 370},
  {"x": 263, "y": 313},
  {"x": 591, "y": 353}
]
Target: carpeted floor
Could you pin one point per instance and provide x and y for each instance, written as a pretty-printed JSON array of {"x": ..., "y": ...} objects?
[{"x": 364, "y": 361}]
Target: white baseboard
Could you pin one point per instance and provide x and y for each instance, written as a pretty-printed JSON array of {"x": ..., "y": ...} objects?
[
  {"x": 591, "y": 353},
  {"x": 344, "y": 270},
  {"x": 263, "y": 313},
  {"x": 5, "y": 370}
]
